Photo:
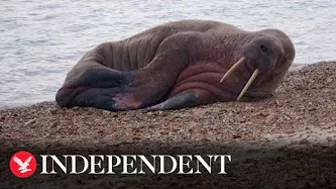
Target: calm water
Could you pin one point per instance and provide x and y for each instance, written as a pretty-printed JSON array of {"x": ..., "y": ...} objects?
[{"x": 41, "y": 40}]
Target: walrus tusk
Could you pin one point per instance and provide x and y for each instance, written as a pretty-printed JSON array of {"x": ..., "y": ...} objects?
[
  {"x": 249, "y": 82},
  {"x": 235, "y": 66}
]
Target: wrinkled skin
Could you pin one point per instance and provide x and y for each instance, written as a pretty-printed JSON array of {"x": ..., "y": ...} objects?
[{"x": 178, "y": 65}]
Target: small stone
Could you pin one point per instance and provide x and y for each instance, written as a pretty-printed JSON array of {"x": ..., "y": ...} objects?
[
  {"x": 304, "y": 141},
  {"x": 30, "y": 122},
  {"x": 106, "y": 112},
  {"x": 54, "y": 124},
  {"x": 271, "y": 119},
  {"x": 311, "y": 108},
  {"x": 329, "y": 80},
  {"x": 75, "y": 108},
  {"x": 236, "y": 136},
  {"x": 53, "y": 111},
  {"x": 290, "y": 131},
  {"x": 264, "y": 113},
  {"x": 123, "y": 113},
  {"x": 137, "y": 138}
]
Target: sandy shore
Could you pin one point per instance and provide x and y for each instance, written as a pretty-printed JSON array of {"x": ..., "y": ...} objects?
[{"x": 302, "y": 114}]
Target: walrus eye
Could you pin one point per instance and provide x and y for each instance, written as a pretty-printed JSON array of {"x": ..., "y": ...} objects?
[{"x": 264, "y": 49}]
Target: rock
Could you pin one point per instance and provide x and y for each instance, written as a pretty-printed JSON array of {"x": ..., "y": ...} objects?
[
  {"x": 30, "y": 122},
  {"x": 149, "y": 113},
  {"x": 236, "y": 136},
  {"x": 76, "y": 108},
  {"x": 54, "y": 124},
  {"x": 290, "y": 131},
  {"x": 112, "y": 114},
  {"x": 311, "y": 108},
  {"x": 264, "y": 113},
  {"x": 271, "y": 119},
  {"x": 304, "y": 141},
  {"x": 329, "y": 80},
  {"x": 53, "y": 111},
  {"x": 106, "y": 112}
]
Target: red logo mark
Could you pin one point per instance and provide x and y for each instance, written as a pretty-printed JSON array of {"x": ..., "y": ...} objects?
[{"x": 23, "y": 164}]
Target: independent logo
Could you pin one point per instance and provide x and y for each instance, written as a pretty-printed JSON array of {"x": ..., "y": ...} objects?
[{"x": 23, "y": 164}]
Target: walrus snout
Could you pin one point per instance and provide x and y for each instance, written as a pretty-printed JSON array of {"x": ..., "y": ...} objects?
[{"x": 262, "y": 53}]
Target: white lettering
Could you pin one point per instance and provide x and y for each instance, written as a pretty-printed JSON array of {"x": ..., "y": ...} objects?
[
  {"x": 204, "y": 163},
  {"x": 186, "y": 164},
  {"x": 162, "y": 164},
  {"x": 110, "y": 163},
  {"x": 150, "y": 166},
  {"x": 222, "y": 162},
  {"x": 74, "y": 164},
  {"x": 126, "y": 164},
  {"x": 95, "y": 164}
]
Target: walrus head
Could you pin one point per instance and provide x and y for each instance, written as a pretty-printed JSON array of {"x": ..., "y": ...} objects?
[{"x": 270, "y": 53}]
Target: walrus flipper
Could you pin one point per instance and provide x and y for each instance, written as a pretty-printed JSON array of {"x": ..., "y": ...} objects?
[
  {"x": 186, "y": 99},
  {"x": 94, "y": 88}
]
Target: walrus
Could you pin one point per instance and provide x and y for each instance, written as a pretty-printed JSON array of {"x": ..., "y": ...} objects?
[{"x": 177, "y": 65}]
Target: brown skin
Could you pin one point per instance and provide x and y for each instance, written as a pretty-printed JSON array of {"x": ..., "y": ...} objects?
[{"x": 178, "y": 65}]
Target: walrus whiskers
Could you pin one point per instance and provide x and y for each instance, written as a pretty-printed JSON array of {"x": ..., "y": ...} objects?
[
  {"x": 249, "y": 82},
  {"x": 234, "y": 67}
]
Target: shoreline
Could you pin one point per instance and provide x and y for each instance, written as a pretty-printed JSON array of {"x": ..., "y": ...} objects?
[{"x": 292, "y": 68}]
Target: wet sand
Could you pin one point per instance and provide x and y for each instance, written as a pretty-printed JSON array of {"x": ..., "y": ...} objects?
[{"x": 301, "y": 115}]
